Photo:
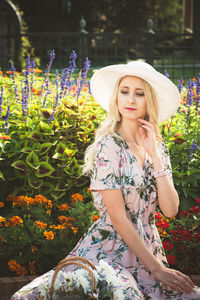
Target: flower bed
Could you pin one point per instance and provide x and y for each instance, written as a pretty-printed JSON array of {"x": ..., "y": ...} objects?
[{"x": 46, "y": 122}]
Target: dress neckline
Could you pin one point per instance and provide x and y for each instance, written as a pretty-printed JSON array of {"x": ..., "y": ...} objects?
[{"x": 128, "y": 148}]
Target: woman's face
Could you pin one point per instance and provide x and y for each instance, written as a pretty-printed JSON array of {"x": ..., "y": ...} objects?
[{"x": 131, "y": 99}]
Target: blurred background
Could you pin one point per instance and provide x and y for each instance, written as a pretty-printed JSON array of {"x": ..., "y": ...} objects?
[{"x": 165, "y": 33}]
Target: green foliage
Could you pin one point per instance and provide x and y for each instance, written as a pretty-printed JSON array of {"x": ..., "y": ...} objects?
[{"x": 181, "y": 133}]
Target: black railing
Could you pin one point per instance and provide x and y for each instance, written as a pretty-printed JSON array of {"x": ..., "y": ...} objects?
[{"x": 177, "y": 53}]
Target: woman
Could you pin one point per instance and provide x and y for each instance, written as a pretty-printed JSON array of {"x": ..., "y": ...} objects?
[{"x": 130, "y": 175}]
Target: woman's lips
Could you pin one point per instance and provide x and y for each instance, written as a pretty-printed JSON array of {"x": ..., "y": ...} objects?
[{"x": 129, "y": 108}]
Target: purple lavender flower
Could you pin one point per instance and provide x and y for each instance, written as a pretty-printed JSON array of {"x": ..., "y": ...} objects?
[
  {"x": 57, "y": 97},
  {"x": 180, "y": 84},
  {"x": 84, "y": 72},
  {"x": 6, "y": 120},
  {"x": 52, "y": 56},
  {"x": 1, "y": 100},
  {"x": 89, "y": 89},
  {"x": 166, "y": 74},
  {"x": 66, "y": 74},
  {"x": 13, "y": 78},
  {"x": 190, "y": 93},
  {"x": 193, "y": 148}
]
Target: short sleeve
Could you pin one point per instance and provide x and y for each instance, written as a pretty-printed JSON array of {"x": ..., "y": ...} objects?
[
  {"x": 166, "y": 159},
  {"x": 105, "y": 174}
]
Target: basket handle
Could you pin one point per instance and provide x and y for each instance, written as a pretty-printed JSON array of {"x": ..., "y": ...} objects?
[{"x": 68, "y": 261}]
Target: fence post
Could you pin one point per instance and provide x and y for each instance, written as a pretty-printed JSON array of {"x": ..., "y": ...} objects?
[
  {"x": 149, "y": 42},
  {"x": 82, "y": 42}
]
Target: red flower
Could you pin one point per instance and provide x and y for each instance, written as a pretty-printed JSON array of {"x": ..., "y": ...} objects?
[
  {"x": 167, "y": 245},
  {"x": 198, "y": 200},
  {"x": 171, "y": 259},
  {"x": 195, "y": 209},
  {"x": 184, "y": 213}
]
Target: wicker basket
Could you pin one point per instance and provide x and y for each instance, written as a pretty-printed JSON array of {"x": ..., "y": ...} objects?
[{"x": 87, "y": 265}]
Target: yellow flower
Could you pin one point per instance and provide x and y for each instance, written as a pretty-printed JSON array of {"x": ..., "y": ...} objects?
[
  {"x": 49, "y": 235},
  {"x": 2, "y": 220},
  {"x": 74, "y": 229}
]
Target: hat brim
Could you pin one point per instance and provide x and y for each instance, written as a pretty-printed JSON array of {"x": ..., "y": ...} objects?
[{"x": 104, "y": 81}]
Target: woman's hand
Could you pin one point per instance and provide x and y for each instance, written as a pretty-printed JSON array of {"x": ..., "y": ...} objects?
[
  {"x": 148, "y": 135},
  {"x": 174, "y": 280}
]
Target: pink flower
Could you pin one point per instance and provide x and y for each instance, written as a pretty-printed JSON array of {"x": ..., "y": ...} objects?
[{"x": 102, "y": 161}]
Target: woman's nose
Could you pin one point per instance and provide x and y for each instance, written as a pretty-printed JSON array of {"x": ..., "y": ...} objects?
[{"x": 131, "y": 99}]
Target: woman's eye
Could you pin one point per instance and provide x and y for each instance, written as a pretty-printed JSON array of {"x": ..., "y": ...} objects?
[
  {"x": 124, "y": 92},
  {"x": 139, "y": 94}
]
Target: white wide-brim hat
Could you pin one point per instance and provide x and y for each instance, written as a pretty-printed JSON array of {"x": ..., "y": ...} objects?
[{"x": 105, "y": 79}]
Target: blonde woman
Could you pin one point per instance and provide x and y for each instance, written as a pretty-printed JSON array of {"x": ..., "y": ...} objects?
[{"x": 131, "y": 175}]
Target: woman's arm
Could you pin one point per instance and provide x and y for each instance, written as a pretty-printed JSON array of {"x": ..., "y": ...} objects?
[
  {"x": 167, "y": 196},
  {"x": 114, "y": 203}
]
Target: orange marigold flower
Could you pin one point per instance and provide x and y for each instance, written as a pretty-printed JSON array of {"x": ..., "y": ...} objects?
[
  {"x": 41, "y": 225},
  {"x": 66, "y": 221},
  {"x": 59, "y": 226},
  {"x": 17, "y": 268},
  {"x": 1, "y": 72},
  {"x": 1, "y": 204},
  {"x": 74, "y": 229},
  {"x": 88, "y": 189},
  {"x": 40, "y": 199},
  {"x": 63, "y": 207},
  {"x": 31, "y": 267},
  {"x": 49, "y": 235},
  {"x": 95, "y": 218},
  {"x": 77, "y": 197},
  {"x": 38, "y": 71},
  {"x": 8, "y": 72},
  {"x": 5, "y": 137},
  {"x": 13, "y": 221},
  {"x": 48, "y": 212},
  {"x": 10, "y": 197},
  {"x": 85, "y": 89},
  {"x": 34, "y": 248}
]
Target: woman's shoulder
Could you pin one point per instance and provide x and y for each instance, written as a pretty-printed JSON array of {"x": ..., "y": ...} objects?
[{"x": 109, "y": 141}]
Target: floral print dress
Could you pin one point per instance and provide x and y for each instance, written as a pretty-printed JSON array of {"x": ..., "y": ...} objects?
[{"x": 116, "y": 167}]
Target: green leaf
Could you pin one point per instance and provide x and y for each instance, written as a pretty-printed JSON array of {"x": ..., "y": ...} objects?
[
  {"x": 61, "y": 186},
  {"x": 26, "y": 150},
  {"x": 36, "y": 184},
  {"x": 32, "y": 159},
  {"x": 44, "y": 169},
  {"x": 1, "y": 176},
  {"x": 35, "y": 135},
  {"x": 20, "y": 164},
  {"x": 45, "y": 147}
]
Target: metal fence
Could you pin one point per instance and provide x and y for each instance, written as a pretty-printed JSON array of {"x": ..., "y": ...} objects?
[{"x": 176, "y": 53}]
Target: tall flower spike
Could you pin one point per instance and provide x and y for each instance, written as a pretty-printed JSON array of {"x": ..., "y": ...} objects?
[
  {"x": 52, "y": 56},
  {"x": 180, "y": 84},
  {"x": 193, "y": 148},
  {"x": 6, "y": 119},
  {"x": 13, "y": 78},
  {"x": 166, "y": 74},
  {"x": 84, "y": 72},
  {"x": 1, "y": 100},
  {"x": 190, "y": 93}
]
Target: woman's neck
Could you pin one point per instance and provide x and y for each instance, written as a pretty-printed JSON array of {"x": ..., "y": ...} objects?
[{"x": 129, "y": 130}]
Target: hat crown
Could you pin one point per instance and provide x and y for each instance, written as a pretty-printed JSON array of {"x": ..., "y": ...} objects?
[{"x": 141, "y": 65}]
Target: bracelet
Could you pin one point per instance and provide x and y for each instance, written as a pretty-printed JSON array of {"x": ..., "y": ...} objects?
[{"x": 161, "y": 173}]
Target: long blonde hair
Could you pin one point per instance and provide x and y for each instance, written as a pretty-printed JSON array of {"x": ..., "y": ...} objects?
[{"x": 110, "y": 125}]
